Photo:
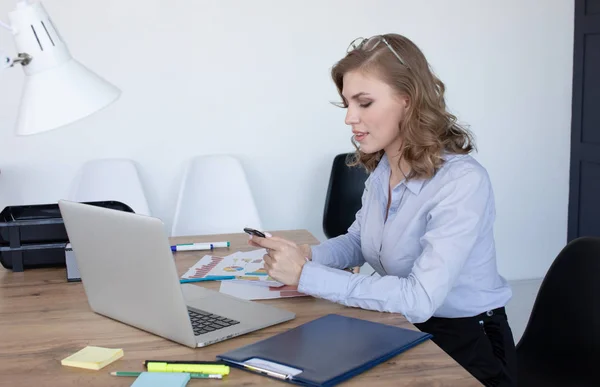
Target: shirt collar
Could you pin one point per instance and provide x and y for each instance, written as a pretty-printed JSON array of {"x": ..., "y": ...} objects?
[
  {"x": 383, "y": 169},
  {"x": 414, "y": 185}
]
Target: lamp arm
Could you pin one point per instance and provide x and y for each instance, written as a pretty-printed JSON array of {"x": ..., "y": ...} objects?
[
  {"x": 5, "y": 60},
  {"x": 2, "y": 24}
]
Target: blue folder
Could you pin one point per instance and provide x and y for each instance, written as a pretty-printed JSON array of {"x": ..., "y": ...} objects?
[{"x": 325, "y": 351}]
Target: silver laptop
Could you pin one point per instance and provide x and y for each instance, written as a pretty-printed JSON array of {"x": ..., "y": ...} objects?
[{"x": 128, "y": 273}]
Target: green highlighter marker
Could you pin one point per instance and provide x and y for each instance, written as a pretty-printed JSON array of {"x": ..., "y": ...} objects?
[{"x": 193, "y": 376}]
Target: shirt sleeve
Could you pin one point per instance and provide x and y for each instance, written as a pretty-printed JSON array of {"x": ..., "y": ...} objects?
[
  {"x": 343, "y": 251},
  {"x": 453, "y": 227}
]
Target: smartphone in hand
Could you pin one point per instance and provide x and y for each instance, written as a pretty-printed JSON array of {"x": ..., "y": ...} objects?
[{"x": 252, "y": 231}]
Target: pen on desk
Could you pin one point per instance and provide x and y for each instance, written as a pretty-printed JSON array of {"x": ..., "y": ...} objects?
[
  {"x": 207, "y": 278},
  {"x": 192, "y": 375},
  {"x": 267, "y": 372},
  {"x": 199, "y": 246}
]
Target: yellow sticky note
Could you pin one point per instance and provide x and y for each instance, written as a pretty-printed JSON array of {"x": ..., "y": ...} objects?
[{"x": 92, "y": 358}]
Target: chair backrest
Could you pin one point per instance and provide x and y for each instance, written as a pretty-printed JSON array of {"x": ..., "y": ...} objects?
[
  {"x": 343, "y": 200},
  {"x": 110, "y": 179},
  {"x": 214, "y": 198},
  {"x": 565, "y": 318}
]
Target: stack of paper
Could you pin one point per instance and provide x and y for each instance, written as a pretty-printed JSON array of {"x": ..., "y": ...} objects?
[
  {"x": 251, "y": 292},
  {"x": 251, "y": 282}
]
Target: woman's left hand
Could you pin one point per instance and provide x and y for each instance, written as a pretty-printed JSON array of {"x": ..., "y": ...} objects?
[{"x": 284, "y": 259}]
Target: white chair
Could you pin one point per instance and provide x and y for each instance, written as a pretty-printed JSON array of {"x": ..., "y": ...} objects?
[
  {"x": 110, "y": 179},
  {"x": 214, "y": 198}
]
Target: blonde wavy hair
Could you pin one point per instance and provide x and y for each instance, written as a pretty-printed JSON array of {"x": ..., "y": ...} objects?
[{"x": 428, "y": 130}]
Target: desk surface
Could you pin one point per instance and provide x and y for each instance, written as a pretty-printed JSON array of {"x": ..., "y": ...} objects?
[{"x": 43, "y": 319}]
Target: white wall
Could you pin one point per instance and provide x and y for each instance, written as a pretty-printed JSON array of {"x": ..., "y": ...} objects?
[{"x": 251, "y": 78}]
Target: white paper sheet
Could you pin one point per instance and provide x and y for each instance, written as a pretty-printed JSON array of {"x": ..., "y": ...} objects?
[{"x": 251, "y": 292}]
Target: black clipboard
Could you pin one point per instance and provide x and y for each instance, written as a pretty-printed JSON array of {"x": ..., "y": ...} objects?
[{"x": 325, "y": 351}]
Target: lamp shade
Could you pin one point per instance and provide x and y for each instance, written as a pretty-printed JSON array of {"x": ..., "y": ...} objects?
[
  {"x": 58, "y": 90},
  {"x": 60, "y": 96}
]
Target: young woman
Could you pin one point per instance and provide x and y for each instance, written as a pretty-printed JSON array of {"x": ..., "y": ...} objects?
[{"x": 426, "y": 222}]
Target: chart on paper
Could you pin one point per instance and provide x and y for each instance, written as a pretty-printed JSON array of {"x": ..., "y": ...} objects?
[
  {"x": 204, "y": 269},
  {"x": 245, "y": 266}
]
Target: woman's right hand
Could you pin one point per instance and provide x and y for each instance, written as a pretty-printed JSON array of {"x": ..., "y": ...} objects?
[{"x": 306, "y": 250}]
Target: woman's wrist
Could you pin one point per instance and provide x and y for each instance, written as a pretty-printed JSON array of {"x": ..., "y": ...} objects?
[
  {"x": 301, "y": 273},
  {"x": 301, "y": 270},
  {"x": 307, "y": 252}
]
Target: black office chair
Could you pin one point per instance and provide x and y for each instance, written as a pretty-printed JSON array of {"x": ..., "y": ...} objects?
[
  {"x": 561, "y": 343},
  {"x": 343, "y": 200}
]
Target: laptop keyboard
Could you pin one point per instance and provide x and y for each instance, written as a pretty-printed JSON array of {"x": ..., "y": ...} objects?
[{"x": 204, "y": 322}]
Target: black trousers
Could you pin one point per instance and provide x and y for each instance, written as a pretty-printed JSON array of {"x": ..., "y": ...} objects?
[{"x": 482, "y": 344}]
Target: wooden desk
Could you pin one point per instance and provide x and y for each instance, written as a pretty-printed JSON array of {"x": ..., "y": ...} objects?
[{"x": 43, "y": 319}]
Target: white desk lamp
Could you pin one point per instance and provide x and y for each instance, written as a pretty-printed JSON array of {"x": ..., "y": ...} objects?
[{"x": 58, "y": 90}]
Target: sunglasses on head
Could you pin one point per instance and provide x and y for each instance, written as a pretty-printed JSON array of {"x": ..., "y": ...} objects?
[{"x": 370, "y": 44}]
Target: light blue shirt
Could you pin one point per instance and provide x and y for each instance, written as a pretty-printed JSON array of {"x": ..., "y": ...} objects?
[{"x": 433, "y": 256}]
